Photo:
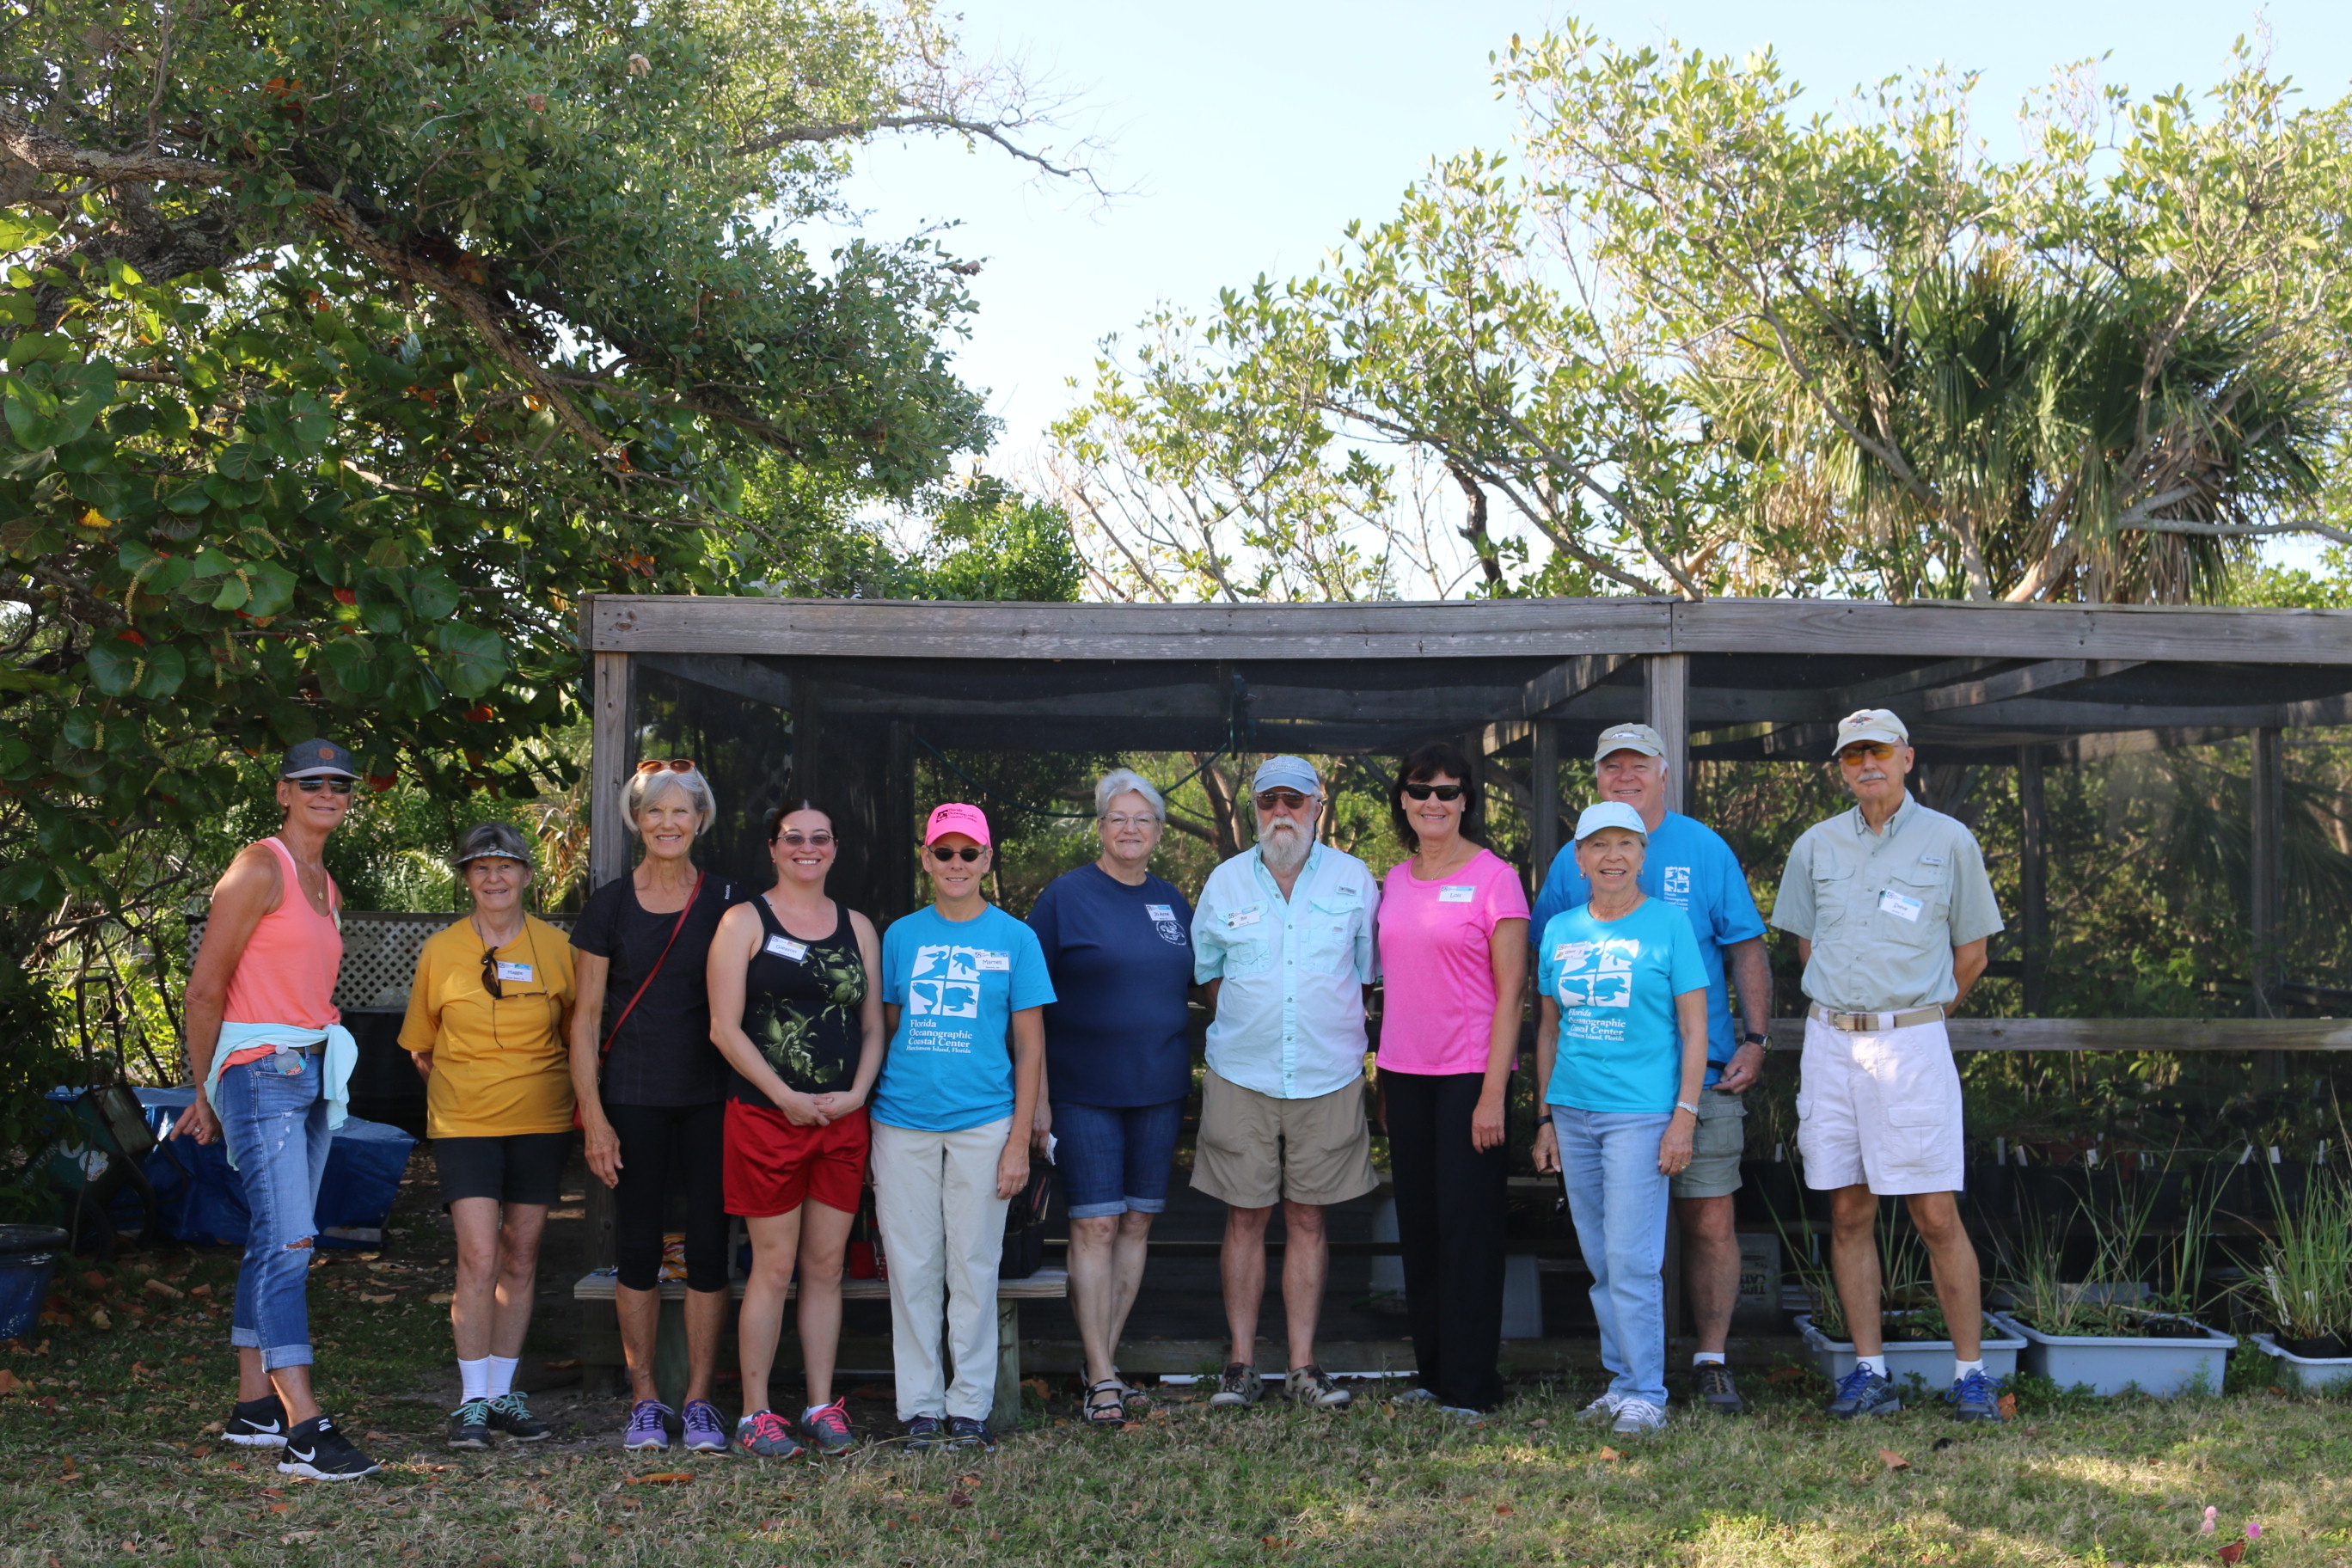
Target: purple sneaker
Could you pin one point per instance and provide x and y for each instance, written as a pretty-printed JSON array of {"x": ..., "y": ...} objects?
[
  {"x": 703, "y": 1432},
  {"x": 648, "y": 1425}
]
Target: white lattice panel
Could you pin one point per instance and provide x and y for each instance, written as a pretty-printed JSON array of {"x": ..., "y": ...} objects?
[{"x": 379, "y": 955}]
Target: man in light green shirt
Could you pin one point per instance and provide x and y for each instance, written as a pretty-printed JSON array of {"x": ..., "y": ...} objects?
[{"x": 1891, "y": 909}]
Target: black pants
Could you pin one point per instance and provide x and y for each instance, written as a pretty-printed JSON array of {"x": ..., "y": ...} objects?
[
  {"x": 1449, "y": 1201},
  {"x": 667, "y": 1149}
]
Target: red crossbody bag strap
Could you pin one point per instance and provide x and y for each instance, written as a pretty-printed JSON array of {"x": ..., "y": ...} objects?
[{"x": 610, "y": 1035}]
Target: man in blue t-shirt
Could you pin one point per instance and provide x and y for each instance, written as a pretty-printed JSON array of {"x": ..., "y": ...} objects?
[{"x": 1689, "y": 866}]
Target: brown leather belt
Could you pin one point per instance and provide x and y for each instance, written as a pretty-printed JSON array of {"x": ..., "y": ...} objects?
[{"x": 1873, "y": 1023}]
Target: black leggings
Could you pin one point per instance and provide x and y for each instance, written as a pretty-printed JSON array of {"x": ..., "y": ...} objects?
[
  {"x": 665, "y": 1149},
  {"x": 1449, "y": 1199}
]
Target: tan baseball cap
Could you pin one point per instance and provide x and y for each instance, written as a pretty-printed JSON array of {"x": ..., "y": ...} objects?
[
  {"x": 1629, "y": 737},
  {"x": 1870, "y": 725}
]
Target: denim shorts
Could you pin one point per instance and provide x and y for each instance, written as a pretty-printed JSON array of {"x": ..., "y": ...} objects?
[{"x": 1115, "y": 1158}]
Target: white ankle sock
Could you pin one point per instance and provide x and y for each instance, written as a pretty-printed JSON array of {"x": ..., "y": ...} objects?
[
  {"x": 501, "y": 1375},
  {"x": 1877, "y": 1363},
  {"x": 475, "y": 1376},
  {"x": 1701, "y": 1358},
  {"x": 1961, "y": 1369}
]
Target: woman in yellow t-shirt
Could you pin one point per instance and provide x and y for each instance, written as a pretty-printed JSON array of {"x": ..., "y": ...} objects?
[{"x": 486, "y": 1021}]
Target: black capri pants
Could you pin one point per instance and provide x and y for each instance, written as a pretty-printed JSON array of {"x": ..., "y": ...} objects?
[{"x": 667, "y": 1149}]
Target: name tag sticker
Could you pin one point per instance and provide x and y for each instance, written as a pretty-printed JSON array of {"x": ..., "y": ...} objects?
[
  {"x": 1456, "y": 895},
  {"x": 1931, "y": 860},
  {"x": 1236, "y": 919},
  {"x": 786, "y": 948},
  {"x": 1160, "y": 911},
  {"x": 1559, "y": 953},
  {"x": 1900, "y": 906},
  {"x": 983, "y": 960},
  {"x": 520, "y": 972}
]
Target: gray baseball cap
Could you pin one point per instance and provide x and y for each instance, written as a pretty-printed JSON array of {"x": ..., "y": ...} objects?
[
  {"x": 319, "y": 759},
  {"x": 1629, "y": 737},
  {"x": 1286, "y": 773},
  {"x": 486, "y": 840}
]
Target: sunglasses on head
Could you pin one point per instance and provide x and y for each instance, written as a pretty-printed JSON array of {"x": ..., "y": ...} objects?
[
  {"x": 1287, "y": 799},
  {"x": 675, "y": 766},
  {"x": 943, "y": 853},
  {"x": 796, "y": 839},
  {"x": 312, "y": 786},
  {"x": 1443, "y": 791},
  {"x": 1876, "y": 750}
]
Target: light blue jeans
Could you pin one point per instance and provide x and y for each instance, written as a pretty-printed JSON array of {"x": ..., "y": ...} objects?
[
  {"x": 1609, "y": 1164},
  {"x": 276, "y": 1125}
]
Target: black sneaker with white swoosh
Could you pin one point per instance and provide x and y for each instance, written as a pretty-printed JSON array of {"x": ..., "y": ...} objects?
[
  {"x": 317, "y": 1450},
  {"x": 258, "y": 1424}
]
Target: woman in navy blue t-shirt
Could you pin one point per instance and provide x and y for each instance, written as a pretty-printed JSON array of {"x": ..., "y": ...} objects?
[{"x": 1117, "y": 1063}]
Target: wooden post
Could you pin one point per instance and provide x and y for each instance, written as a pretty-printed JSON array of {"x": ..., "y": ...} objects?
[
  {"x": 2269, "y": 889},
  {"x": 1543, "y": 795},
  {"x": 2033, "y": 890},
  {"x": 612, "y": 759},
  {"x": 896, "y": 869},
  {"x": 1668, "y": 677}
]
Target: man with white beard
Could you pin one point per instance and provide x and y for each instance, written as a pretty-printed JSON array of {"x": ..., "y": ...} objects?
[{"x": 1283, "y": 939}]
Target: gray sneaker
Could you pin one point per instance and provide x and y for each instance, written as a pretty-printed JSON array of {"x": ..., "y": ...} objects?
[
  {"x": 1312, "y": 1387},
  {"x": 1239, "y": 1385},
  {"x": 1711, "y": 1380},
  {"x": 1602, "y": 1409},
  {"x": 1862, "y": 1392}
]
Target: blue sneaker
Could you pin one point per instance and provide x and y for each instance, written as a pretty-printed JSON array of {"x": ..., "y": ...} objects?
[
  {"x": 1975, "y": 1397},
  {"x": 925, "y": 1432},
  {"x": 1862, "y": 1392}
]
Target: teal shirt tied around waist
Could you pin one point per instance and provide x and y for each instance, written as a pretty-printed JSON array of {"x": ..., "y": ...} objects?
[{"x": 342, "y": 1054}]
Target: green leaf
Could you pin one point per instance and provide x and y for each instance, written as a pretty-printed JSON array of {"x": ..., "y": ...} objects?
[
  {"x": 434, "y": 599},
  {"x": 269, "y": 588},
  {"x": 351, "y": 664},
  {"x": 242, "y": 461},
  {"x": 473, "y": 658},
  {"x": 167, "y": 668},
  {"x": 113, "y": 665}
]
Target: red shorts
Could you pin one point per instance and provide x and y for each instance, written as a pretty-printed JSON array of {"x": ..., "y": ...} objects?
[{"x": 772, "y": 1166}]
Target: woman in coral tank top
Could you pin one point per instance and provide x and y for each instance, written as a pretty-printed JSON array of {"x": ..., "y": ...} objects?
[{"x": 272, "y": 1062}]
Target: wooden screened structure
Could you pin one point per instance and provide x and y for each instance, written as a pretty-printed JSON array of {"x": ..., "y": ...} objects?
[{"x": 842, "y": 694}]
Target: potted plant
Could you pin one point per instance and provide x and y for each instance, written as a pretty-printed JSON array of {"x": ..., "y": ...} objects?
[
  {"x": 2114, "y": 1330},
  {"x": 1917, "y": 1339},
  {"x": 2301, "y": 1284}
]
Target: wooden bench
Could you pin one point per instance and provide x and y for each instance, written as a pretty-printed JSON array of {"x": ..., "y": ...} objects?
[{"x": 600, "y": 1335}]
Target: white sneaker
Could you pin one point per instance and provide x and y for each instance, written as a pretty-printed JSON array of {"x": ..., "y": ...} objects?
[
  {"x": 1637, "y": 1417},
  {"x": 1605, "y": 1406}
]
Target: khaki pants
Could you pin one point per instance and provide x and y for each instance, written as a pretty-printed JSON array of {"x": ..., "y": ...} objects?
[{"x": 942, "y": 1236}]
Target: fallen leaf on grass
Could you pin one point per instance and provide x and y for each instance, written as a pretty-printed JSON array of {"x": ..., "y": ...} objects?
[
  {"x": 958, "y": 1499},
  {"x": 1785, "y": 1374},
  {"x": 10, "y": 1383},
  {"x": 201, "y": 1451},
  {"x": 569, "y": 1365},
  {"x": 386, "y": 1437},
  {"x": 1504, "y": 1508},
  {"x": 386, "y": 1297},
  {"x": 203, "y": 1292},
  {"x": 970, "y": 1480},
  {"x": 659, "y": 1479},
  {"x": 2008, "y": 1407},
  {"x": 1038, "y": 1386},
  {"x": 94, "y": 1280},
  {"x": 1607, "y": 1453},
  {"x": 1538, "y": 1423},
  {"x": 99, "y": 1320},
  {"x": 279, "y": 1507},
  {"x": 440, "y": 1298},
  {"x": 2232, "y": 1553},
  {"x": 1893, "y": 1461},
  {"x": 158, "y": 1287}
]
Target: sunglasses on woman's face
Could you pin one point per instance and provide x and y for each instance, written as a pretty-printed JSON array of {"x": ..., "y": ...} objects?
[
  {"x": 943, "y": 853},
  {"x": 675, "y": 766},
  {"x": 796, "y": 839},
  {"x": 312, "y": 786},
  {"x": 1443, "y": 792}
]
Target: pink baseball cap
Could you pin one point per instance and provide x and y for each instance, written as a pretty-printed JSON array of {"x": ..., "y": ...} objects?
[{"x": 956, "y": 817}]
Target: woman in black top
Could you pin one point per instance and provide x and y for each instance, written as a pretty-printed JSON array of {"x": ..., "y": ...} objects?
[
  {"x": 794, "y": 1011},
  {"x": 650, "y": 1088}
]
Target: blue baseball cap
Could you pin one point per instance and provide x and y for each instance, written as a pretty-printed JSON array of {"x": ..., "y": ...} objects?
[
  {"x": 1286, "y": 773},
  {"x": 317, "y": 760},
  {"x": 1611, "y": 814}
]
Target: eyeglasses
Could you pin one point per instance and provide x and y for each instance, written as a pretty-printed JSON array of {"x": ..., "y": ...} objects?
[
  {"x": 1876, "y": 750},
  {"x": 675, "y": 766},
  {"x": 1282, "y": 799},
  {"x": 491, "y": 981},
  {"x": 1443, "y": 792},
  {"x": 796, "y": 839},
  {"x": 1120, "y": 824},
  {"x": 943, "y": 853},
  {"x": 312, "y": 786}
]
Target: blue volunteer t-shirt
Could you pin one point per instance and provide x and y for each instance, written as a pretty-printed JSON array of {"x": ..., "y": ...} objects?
[
  {"x": 1122, "y": 962},
  {"x": 1689, "y": 866},
  {"x": 1616, "y": 982},
  {"x": 956, "y": 984}
]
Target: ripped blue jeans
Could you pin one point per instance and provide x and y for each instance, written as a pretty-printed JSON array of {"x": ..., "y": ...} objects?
[{"x": 276, "y": 1124}]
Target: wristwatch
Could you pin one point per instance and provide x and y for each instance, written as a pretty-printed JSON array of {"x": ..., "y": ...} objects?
[{"x": 1753, "y": 1038}]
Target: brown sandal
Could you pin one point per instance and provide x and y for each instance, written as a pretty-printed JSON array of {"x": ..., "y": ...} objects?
[{"x": 1105, "y": 1404}]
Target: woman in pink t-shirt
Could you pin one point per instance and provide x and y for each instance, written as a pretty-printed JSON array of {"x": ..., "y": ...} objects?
[{"x": 1453, "y": 959}]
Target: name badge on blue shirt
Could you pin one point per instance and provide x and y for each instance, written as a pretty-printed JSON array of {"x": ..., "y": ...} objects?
[
  {"x": 520, "y": 972},
  {"x": 1236, "y": 919},
  {"x": 1900, "y": 906},
  {"x": 1160, "y": 911},
  {"x": 983, "y": 960},
  {"x": 1462, "y": 895},
  {"x": 786, "y": 948}
]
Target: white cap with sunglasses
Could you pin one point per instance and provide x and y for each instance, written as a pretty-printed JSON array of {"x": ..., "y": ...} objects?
[{"x": 1870, "y": 725}]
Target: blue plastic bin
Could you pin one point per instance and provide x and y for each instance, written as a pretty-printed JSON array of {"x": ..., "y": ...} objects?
[{"x": 29, "y": 1260}]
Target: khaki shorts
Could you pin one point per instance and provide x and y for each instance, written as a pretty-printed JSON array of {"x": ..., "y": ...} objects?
[
  {"x": 1716, "y": 1146},
  {"x": 1256, "y": 1150},
  {"x": 1881, "y": 1110}
]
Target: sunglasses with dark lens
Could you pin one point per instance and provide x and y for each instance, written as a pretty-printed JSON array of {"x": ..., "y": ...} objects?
[
  {"x": 675, "y": 766},
  {"x": 1443, "y": 792},
  {"x": 943, "y": 853},
  {"x": 1287, "y": 799},
  {"x": 312, "y": 786},
  {"x": 1876, "y": 750},
  {"x": 491, "y": 981},
  {"x": 796, "y": 839}
]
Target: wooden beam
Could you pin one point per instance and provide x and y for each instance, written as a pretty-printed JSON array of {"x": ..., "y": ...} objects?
[
  {"x": 2046, "y": 676},
  {"x": 1567, "y": 680},
  {"x": 2123, "y": 1034},
  {"x": 2134, "y": 742},
  {"x": 1880, "y": 693},
  {"x": 1544, "y": 824},
  {"x": 613, "y": 757},
  {"x": 2059, "y": 714},
  {"x": 1947, "y": 629},
  {"x": 1666, "y": 681},
  {"x": 2268, "y": 915},
  {"x": 725, "y": 672},
  {"x": 2033, "y": 891}
]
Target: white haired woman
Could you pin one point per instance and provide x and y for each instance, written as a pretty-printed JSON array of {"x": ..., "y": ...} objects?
[
  {"x": 652, "y": 1088},
  {"x": 486, "y": 1017},
  {"x": 1117, "y": 1063}
]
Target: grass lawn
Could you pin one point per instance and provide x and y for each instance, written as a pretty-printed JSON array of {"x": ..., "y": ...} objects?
[{"x": 104, "y": 1459}]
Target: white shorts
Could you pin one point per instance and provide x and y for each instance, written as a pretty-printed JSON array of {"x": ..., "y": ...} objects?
[{"x": 1881, "y": 1110}]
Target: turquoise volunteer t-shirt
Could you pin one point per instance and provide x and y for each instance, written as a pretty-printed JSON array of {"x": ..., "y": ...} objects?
[
  {"x": 956, "y": 984},
  {"x": 1616, "y": 981}
]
